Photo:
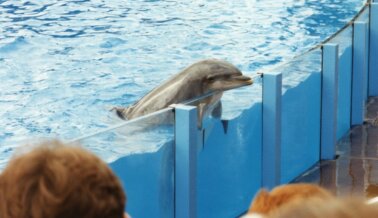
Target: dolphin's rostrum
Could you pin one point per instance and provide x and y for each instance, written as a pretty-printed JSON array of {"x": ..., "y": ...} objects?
[{"x": 201, "y": 78}]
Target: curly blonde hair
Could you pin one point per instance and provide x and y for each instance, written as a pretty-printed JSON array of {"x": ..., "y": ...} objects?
[{"x": 60, "y": 181}]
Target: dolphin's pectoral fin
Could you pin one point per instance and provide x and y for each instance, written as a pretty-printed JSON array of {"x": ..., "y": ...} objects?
[
  {"x": 201, "y": 109},
  {"x": 217, "y": 111}
]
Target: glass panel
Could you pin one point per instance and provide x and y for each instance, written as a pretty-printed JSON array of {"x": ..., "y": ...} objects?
[
  {"x": 364, "y": 15},
  {"x": 344, "y": 40},
  {"x": 141, "y": 153},
  {"x": 301, "y": 83},
  {"x": 229, "y": 163}
]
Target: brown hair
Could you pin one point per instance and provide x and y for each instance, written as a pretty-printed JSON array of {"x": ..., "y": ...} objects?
[{"x": 60, "y": 181}]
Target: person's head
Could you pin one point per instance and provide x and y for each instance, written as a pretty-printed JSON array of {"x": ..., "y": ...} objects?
[
  {"x": 60, "y": 181},
  {"x": 266, "y": 202},
  {"x": 331, "y": 208}
]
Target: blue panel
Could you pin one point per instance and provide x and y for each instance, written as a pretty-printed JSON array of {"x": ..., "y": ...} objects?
[
  {"x": 359, "y": 72},
  {"x": 329, "y": 101},
  {"x": 229, "y": 164},
  {"x": 146, "y": 166},
  {"x": 271, "y": 163},
  {"x": 186, "y": 161},
  {"x": 373, "y": 70},
  {"x": 300, "y": 114},
  {"x": 364, "y": 17},
  {"x": 344, "y": 40},
  {"x": 366, "y": 64}
]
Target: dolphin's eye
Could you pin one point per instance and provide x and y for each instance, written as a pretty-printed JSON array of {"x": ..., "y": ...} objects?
[{"x": 211, "y": 78}]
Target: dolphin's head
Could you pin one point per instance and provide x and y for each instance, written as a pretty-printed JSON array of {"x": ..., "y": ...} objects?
[{"x": 217, "y": 75}]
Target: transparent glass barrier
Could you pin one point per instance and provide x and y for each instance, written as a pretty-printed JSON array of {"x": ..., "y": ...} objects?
[
  {"x": 141, "y": 153},
  {"x": 229, "y": 163},
  {"x": 301, "y": 90},
  {"x": 364, "y": 15},
  {"x": 344, "y": 40}
]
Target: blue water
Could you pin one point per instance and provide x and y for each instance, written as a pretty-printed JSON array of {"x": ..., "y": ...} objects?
[{"x": 64, "y": 64}]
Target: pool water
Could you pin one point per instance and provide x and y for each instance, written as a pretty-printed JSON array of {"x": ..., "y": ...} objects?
[{"x": 64, "y": 64}]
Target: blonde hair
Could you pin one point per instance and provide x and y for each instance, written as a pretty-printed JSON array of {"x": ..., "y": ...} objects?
[
  {"x": 332, "y": 208},
  {"x": 265, "y": 202}
]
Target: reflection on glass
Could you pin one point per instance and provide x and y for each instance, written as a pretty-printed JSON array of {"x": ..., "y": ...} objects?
[
  {"x": 301, "y": 81},
  {"x": 364, "y": 15},
  {"x": 343, "y": 39},
  {"x": 237, "y": 100},
  {"x": 141, "y": 152},
  {"x": 300, "y": 69}
]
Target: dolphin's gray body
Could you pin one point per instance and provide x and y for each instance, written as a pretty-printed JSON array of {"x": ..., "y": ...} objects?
[{"x": 196, "y": 80}]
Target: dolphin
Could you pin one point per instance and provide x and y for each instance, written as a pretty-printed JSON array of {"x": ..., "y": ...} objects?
[{"x": 199, "y": 79}]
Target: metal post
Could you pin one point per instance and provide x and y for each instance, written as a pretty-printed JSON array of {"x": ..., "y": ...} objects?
[
  {"x": 373, "y": 61},
  {"x": 271, "y": 158},
  {"x": 329, "y": 101},
  {"x": 185, "y": 161},
  {"x": 359, "y": 72}
]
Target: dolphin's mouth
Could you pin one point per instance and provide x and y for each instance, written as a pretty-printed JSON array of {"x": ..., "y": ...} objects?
[
  {"x": 239, "y": 80},
  {"x": 233, "y": 82},
  {"x": 243, "y": 79},
  {"x": 227, "y": 82}
]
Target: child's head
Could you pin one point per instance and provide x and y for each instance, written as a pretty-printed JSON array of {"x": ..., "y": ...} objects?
[
  {"x": 60, "y": 181},
  {"x": 265, "y": 202},
  {"x": 331, "y": 208}
]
